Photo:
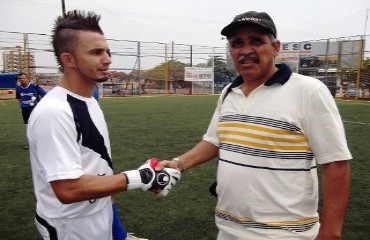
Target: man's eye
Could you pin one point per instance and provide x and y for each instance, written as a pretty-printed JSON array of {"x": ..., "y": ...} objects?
[
  {"x": 236, "y": 43},
  {"x": 97, "y": 52},
  {"x": 255, "y": 41}
]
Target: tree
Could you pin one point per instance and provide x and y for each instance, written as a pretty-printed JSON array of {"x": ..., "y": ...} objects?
[
  {"x": 367, "y": 62},
  {"x": 171, "y": 72},
  {"x": 223, "y": 74}
]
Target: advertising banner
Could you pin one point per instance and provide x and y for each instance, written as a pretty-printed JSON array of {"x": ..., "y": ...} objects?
[{"x": 198, "y": 74}]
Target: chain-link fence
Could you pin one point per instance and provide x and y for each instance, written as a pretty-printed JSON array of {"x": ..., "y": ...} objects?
[
  {"x": 137, "y": 68},
  {"x": 343, "y": 64},
  {"x": 158, "y": 68}
]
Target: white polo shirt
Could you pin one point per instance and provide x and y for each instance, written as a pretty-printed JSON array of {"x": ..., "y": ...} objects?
[{"x": 269, "y": 143}]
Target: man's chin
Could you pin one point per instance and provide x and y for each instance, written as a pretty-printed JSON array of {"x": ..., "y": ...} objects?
[{"x": 100, "y": 80}]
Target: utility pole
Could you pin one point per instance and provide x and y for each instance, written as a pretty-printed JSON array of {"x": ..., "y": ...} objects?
[
  {"x": 191, "y": 55},
  {"x": 26, "y": 56},
  {"x": 63, "y": 8},
  {"x": 166, "y": 69},
  {"x": 362, "y": 56},
  {"x": 367, "y": 17},
  {"x": 139, "y": 65}
]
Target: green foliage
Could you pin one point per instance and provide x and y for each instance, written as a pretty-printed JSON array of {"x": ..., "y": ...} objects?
[
  {"x": 367, "y": 61},
  {"x": 172, "y": 70},
  {"x": 163, "y": 127},
  {"x": 222, "y": 70}
]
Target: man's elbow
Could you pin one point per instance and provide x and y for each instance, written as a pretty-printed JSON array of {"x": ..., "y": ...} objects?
[
  {"x": 66, "y": 191},
  {"x": 65, "y": 198}
]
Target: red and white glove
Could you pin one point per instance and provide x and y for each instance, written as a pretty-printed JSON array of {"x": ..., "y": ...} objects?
[{"x": 146, "y": 178}]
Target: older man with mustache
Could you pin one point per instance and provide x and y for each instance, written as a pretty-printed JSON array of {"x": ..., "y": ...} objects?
[{"x": 271, "y": 130}]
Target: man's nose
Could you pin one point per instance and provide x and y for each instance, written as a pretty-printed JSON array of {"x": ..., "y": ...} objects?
[
  {"x": 247, "y": 49},
  {"x": 107, "y": 58}
]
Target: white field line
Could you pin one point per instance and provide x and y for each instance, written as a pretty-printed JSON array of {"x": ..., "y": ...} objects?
[{"x": 361, "y": 123}]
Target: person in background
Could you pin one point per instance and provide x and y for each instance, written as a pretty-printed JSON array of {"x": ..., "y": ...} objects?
[
  {"x": 271, "y": 130},
  {"x": 28, "y": 95},
  {"x": 70, "y": 148},
  {"x": 96, "y": 93}
]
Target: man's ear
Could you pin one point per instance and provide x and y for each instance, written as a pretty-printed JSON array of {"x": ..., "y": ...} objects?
[
  {"x": 276, "y": 46},
  {"x": 67, "y": 59}
]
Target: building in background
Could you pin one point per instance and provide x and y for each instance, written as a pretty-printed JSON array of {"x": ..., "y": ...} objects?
[
  {"x": 329, "y": 61},
  {"x": 16, "y": 59}
]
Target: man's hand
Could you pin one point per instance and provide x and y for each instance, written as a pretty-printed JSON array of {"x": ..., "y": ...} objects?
[
  {"x": 146, "y": 178},
  {"x": 169, "y": 164}
]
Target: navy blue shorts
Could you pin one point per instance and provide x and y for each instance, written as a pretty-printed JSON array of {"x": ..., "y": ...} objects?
[{"x": 26, "y": 112}]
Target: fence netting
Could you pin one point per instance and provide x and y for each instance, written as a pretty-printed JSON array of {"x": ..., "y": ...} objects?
[{"x": 141, "y": 68}]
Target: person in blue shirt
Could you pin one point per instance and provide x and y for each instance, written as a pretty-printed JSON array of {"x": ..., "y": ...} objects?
[
  {"x": 28, "y": 95},
  {"x": 96, "y": 93}
]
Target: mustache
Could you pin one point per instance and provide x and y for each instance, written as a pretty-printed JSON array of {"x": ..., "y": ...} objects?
[{"x": 250, "y": 57}]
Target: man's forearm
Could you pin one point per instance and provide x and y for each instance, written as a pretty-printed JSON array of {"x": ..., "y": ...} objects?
[
  {"x": 336, "y": 188},
  {"x": 200, "y": 153}
]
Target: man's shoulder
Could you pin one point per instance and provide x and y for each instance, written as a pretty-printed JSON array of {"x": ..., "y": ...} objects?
[
  {"x": 52, "y": 107},
  {"x": 18, "y": 88},
  {"x": 34, "y": 86},
  {"x": 55, "y": 99},
  {"x": 305, "y": 80}
]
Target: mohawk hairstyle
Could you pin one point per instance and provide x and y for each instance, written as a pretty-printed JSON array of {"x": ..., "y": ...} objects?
[{"x": 66, "y": 27}]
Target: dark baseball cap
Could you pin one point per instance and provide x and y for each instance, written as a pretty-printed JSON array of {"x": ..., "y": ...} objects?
[{"x": 260, "y": 19}]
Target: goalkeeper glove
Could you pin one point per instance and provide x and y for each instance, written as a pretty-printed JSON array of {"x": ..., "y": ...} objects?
[{"x": 146, "y": 178}]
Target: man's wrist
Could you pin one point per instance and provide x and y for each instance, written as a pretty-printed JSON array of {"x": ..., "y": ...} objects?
[
  {"x": 180, "y": 164},
  {"x": 133, "y": 179}
]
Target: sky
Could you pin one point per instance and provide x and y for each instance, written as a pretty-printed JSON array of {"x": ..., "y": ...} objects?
[
  {"x": 188, "y": 22},
  {"x": 196, "y": 22}
]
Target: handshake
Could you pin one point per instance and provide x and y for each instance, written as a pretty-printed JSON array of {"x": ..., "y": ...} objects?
[{"x": 147, "y": 178}]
